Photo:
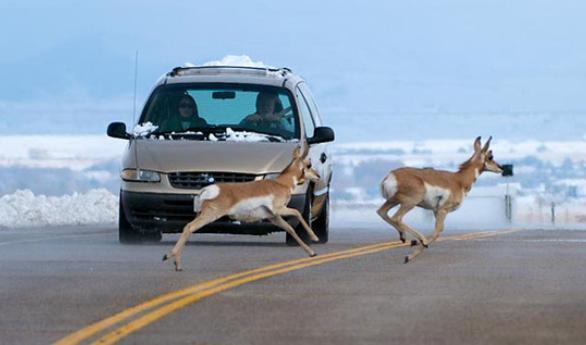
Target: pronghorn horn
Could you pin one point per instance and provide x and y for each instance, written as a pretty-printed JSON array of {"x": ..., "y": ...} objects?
[{"x": 486, "y": 145}]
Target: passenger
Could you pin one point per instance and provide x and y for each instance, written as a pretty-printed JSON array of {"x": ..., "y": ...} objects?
[
  {"x": 188, "y": 116},
  {"x": 268, "y": 113}
]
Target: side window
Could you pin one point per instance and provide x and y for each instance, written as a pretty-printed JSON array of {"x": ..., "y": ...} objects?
[{"x": 305, "y": 114}]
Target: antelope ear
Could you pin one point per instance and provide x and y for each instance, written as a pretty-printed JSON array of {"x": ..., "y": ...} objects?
[
  {"x": 477, "y": 145},
  {"x": 486, "y": 145}
]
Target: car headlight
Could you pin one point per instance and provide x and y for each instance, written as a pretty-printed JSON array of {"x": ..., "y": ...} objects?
[{"x": 140, "y": 175}]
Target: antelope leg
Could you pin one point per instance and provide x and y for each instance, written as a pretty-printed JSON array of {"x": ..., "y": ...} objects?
[
  {"x": 415, "y": 252},
  {"x": 397, "y": 220},
  {"x": 383, "y": 213},
  {"x": 440, "y": 217},
  {"x": 203, "y": 219},
  {"x": 287, "y": 211},
  {"x": 280, "y": 222}
]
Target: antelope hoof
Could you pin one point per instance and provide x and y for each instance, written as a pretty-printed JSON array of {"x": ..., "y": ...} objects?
[
  {"x": 315, "y": 239},
  {"x": 402, "y": 239},
  {"x": 312, "y": 255},
  {"x": 425, "y": 245},
  {"x": 406, "y": 260},
  {"x": 165, "y": 257},
  {"x": 413, "y": 243}
]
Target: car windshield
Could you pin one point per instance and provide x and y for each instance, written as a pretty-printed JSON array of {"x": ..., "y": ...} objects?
[{"x": 209, "y": 108}]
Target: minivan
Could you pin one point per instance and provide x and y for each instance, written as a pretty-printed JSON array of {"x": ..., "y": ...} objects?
[{"x": 202, "y": 125}]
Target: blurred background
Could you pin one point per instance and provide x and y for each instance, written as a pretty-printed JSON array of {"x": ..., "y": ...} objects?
[{"x": 401, "y": 83}]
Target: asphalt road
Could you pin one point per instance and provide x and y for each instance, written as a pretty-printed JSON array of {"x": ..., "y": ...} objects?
[{"x": 526, "y": 287}]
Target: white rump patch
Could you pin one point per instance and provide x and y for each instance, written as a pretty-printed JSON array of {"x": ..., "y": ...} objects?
[
  {"x": 252, "y": 209},
  {"x": 435, "y": 196},
  {"x": 207, "y": 193},
  {"x": 389, "y": 186}
]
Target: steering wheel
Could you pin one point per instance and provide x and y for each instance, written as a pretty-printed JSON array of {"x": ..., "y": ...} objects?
[{"x": 286, "y": 114}]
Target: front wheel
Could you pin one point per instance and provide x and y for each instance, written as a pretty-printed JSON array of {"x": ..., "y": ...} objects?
[{"x": 321, "y": 226}]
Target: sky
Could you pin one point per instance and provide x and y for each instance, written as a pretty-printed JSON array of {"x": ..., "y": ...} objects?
[{"x": 504, "y": 67}]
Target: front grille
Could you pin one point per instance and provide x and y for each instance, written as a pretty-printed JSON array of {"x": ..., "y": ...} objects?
[{"x": 198, "y": 180}]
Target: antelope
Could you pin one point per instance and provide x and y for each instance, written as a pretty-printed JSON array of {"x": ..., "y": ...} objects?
[
  {"x": 436, "y": 190},
  {"x": 250, "y": 202}
]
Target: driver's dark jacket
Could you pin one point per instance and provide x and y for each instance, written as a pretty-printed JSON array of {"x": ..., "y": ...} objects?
[{"x": 174, "y": 124}]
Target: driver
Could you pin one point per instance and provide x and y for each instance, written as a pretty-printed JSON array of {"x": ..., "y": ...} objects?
[{"x": 268, "y": 115}]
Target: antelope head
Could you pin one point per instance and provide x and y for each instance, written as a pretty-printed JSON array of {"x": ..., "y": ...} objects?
[
  {"x": 304, "y": 171},
  {"x": 485, "y": 157}
]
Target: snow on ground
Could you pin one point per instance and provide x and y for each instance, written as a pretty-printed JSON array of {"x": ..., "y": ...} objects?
[
  {"x": 76, "y": 152},
  {"x": 24, "y": 209},
  {"x": 95, "y": 157},
  {"x": 79, "y": 151},
  {"x": 476, "y": 212},
  {"x": 440, "y": 152},
  {"x": 99, "y": 206}
]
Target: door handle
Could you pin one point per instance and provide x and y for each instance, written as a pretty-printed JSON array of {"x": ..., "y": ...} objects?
[{"x": 323, "y": 157}]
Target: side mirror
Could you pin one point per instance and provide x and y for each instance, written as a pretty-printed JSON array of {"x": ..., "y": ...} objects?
[
  {"x": 507, "y": 170},
  {"x": 321, "y": 135},
  {"x": 118, "y": 130}
]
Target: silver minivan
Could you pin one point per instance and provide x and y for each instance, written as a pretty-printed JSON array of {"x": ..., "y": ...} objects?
[{"x": 202, "y": 125}]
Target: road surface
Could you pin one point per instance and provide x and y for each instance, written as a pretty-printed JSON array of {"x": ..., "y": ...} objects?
[{"x": 520, "y": 287}]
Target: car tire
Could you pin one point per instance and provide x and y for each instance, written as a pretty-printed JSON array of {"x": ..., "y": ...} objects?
[
  {"x": 127, "y": 234},
  {"x": 321, "y": 225},
  {"x": 299, "y": 230}
]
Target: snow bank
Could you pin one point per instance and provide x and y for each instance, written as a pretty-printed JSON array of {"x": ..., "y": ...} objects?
[
  {"x": 236, "y": 60},
  {"x": 24, "y": 209}
]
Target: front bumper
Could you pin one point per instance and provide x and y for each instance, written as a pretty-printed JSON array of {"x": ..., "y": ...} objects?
[{"x": 170, "y": 213}]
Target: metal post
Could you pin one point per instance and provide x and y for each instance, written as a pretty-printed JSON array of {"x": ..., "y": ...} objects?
[
  {"x": 508, "y": 205},
  {"x": 553, "y": 212}
]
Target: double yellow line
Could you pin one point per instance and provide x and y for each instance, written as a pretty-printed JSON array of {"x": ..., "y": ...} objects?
[{"x": 170, "y": 302}]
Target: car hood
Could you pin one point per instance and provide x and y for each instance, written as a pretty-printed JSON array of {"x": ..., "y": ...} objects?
[{"x": 226, "y": 156}]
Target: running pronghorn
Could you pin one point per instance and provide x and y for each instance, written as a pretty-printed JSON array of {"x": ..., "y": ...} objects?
[
  {"x": 437, "y": 190},
  {"x": 251, "y": 202}
]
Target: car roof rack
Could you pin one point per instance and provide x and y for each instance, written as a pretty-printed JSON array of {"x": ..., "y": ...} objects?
[{"x": 178, "y": 70}]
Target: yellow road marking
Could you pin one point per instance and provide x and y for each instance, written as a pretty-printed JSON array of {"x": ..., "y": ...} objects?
[
  {"x": 141, "y": 322},
  {"x": 184, "y": 297},
  {"x": 88, "y": 331}
]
